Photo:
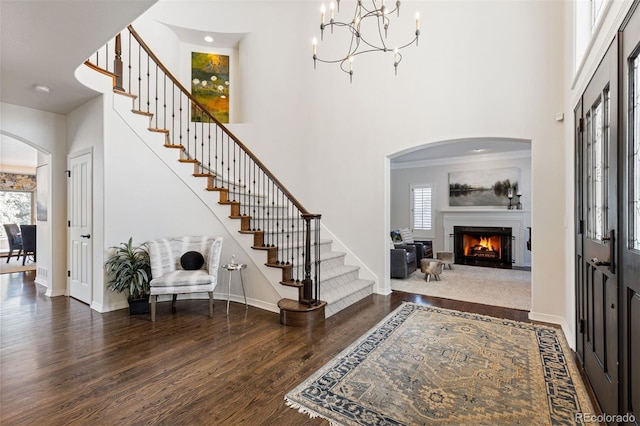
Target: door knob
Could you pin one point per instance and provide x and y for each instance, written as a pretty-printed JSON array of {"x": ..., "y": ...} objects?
[{"x": 86, "y": 236}]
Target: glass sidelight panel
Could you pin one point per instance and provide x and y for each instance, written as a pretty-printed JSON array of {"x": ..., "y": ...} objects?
[
  {"x": 597, "y": 167},
  {"x": 634, "y": 155}
]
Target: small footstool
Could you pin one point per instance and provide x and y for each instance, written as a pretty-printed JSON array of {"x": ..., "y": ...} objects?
[
  {"x": 446, "y": 257},
  {"x": 431, "y": 267}
]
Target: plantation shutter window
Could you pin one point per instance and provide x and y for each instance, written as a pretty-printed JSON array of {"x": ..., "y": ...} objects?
[{"x": 421, "y": 207}]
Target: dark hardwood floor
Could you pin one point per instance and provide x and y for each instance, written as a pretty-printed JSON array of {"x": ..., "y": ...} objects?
[{"x": 63, "y": 363}]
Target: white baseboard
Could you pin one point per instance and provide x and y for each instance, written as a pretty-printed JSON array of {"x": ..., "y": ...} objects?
[
  {"x": 217, "y": 297},
  {"x": 554, "y": 319}
]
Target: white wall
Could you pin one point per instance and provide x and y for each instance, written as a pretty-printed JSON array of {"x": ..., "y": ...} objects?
[
  {"x": 46, "y": 132},
  {"x": 483, "y": 69},
  {"x": 438, "y": 177},
  {"x": 85, "y": 133},
  {"x": 137, "y": 194}
]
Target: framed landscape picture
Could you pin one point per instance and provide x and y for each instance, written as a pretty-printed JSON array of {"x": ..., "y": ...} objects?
[
  {"x": 210, "y": 85},
  {"x": 483, "y": 188}
]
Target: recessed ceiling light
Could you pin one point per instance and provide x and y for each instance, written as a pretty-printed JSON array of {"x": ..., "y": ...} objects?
[
  {"x": 208, "y": 39},
  {"x": 41, "y": 88},
  {"x": 479, "y": 150}
]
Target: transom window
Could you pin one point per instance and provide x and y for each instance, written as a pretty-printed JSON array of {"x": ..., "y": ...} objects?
[
  {"x": 597, "y": 119},
  {"x": 634, "y": 157}
]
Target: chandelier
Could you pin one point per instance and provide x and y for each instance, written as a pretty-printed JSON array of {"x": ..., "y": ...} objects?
[{"x": 377, "y": 15}]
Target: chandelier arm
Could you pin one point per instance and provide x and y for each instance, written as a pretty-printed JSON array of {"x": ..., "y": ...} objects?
[{"x": 408, "y": 44}]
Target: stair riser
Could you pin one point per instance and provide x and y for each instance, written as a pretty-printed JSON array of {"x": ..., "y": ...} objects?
[
  {"x": 327, "y": 264},
  {"x": 325, "y": 247},
  {"x": 281, "y": 230},
  {"x": 336, "y": 282},
  {"x": 340, "y": 304}
]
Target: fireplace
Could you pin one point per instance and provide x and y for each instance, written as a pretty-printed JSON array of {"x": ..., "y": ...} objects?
[{"x": 483, "y": 246}]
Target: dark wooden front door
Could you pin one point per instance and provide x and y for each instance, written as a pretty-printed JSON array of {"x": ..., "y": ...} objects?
[
  {"x": 597, "y": 280},
  {"x": 630, "y": 218}
]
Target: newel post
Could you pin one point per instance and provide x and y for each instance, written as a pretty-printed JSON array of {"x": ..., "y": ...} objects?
[
  {"x": 117, "y": 64},
  {"x": 310, "y": 292}
]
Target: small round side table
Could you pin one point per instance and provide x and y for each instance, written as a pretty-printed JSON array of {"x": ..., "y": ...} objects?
[{"x": 231, "y": 267}]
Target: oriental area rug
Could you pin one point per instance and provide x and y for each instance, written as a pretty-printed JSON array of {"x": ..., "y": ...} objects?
[{"x": 423, "y": 365}]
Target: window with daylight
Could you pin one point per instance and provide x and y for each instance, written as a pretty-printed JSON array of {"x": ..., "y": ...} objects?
[
  {"x": 421, "y": 207},
  {"x": 15, "y": 207}
]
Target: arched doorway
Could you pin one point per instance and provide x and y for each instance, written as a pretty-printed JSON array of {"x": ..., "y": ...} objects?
[{"x": 482, "y": 162}]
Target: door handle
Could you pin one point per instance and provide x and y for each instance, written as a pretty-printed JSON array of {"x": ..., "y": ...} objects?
[
  {"x": 86, "y": 236},
  {"x": 611, "y": 241},
  {"x": 598, "y": 262},
  {"x": 612, "y": 250}
]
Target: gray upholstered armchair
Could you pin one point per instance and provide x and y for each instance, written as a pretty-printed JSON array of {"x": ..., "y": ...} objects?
[
  {"x": 403, "y": 261},
  {"x": 176, "y": 269}
]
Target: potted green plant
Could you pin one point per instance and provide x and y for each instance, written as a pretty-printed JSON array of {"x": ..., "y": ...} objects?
[{"x": 129, "y": 271}]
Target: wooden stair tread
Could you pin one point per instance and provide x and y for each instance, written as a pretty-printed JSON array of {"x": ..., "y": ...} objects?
[
  {"x": 279, "y": 265},
  {"x": 123, "y": 93},
  {"x": 168, "y": 145},
  {"x": 139, "y": 112},
  {"x": 155, "y": 129},
  {"x": 296, "y": 284},
  {"x": 188, "y": 160}
]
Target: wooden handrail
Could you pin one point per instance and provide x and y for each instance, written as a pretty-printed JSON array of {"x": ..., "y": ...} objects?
[
  {"x": 286, "y": 238},
  {"x": 179, "y": 85}
]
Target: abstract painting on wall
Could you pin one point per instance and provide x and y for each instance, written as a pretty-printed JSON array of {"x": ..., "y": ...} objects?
[
  {"x": 210, "y": 85},
  {"x": 490, "y": 187}
]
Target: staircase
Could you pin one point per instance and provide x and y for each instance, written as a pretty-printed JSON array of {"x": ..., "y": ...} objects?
[{"x": 288, "y": 234}]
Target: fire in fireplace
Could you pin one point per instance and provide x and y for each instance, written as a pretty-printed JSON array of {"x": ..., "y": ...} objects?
[{"x": 483, "y": 246}]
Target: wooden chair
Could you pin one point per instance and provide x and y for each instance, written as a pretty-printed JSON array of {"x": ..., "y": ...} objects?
[
  {"x": 15, "y": 239},
  {"x": 28, "y": 241},
  {"x": 170, "y": 277}
]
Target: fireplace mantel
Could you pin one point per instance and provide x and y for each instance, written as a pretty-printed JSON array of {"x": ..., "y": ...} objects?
[{"x": 515, "y": 219}]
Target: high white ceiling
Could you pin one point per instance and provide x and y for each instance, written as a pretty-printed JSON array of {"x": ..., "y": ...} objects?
[
  {"x": 35, "y": 48},
  {"x": 43, "y": 42}
]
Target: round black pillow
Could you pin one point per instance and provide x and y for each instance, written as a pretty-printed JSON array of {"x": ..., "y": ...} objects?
[{"x": 191, "y": 261}]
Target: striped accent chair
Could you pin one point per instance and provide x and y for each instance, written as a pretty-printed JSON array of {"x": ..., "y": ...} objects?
[{"x": 168, "y": 276}]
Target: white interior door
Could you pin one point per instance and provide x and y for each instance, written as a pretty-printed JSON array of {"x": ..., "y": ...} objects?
[{"x": 80, "y": 215}]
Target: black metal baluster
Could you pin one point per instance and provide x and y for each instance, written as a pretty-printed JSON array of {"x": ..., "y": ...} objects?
[
  {"x": 164, "y": 103},
  {"x": 130, "y": 85},
  {"x": 148, "y": 83},
  {"x": 139, "y": 78}
]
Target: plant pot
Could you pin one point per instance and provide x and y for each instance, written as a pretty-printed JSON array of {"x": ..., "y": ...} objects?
[{"x": 139, "y": 306}]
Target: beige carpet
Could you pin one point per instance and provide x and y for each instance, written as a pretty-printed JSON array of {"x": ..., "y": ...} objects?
[
  {"x": 509, "y": 288},
  {"x": 16, "y": 265}
]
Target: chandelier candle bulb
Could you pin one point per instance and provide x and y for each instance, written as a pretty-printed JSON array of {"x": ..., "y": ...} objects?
[
  {"x": 332, "y": 7},
  {"x": 322, "y": 10},
  {"x": 417, "y": 21}
]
